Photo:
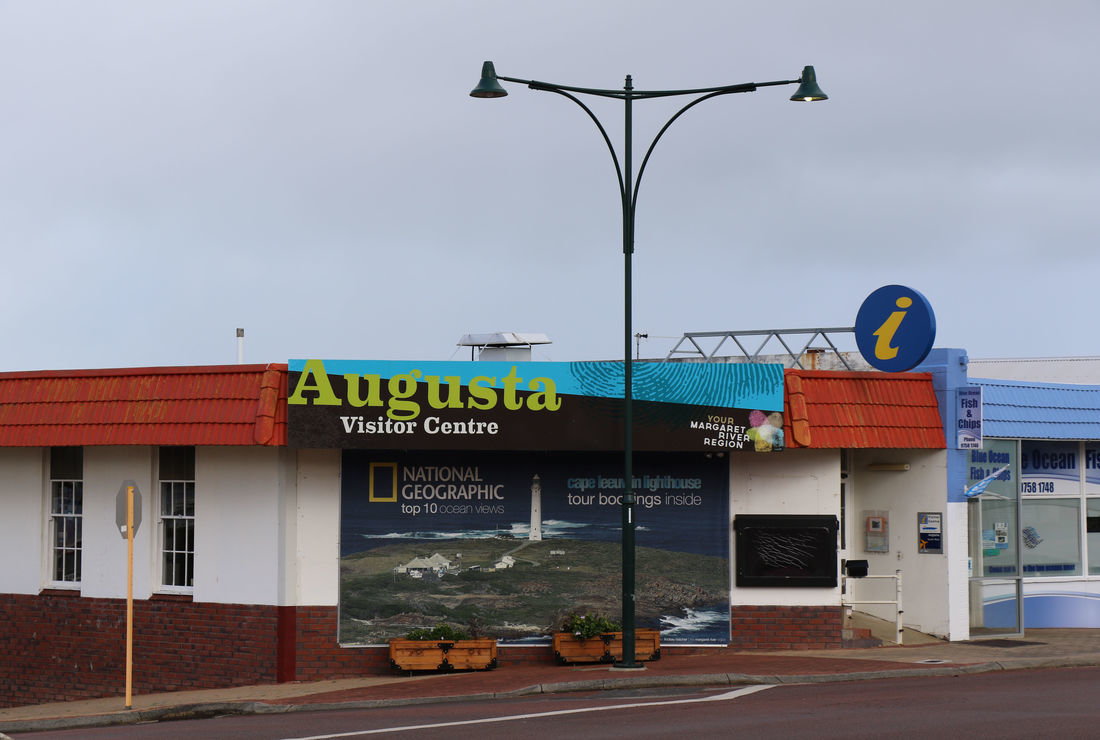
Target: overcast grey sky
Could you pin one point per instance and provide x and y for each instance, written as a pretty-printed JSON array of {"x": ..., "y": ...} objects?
[{"x": 316, "y": 173}]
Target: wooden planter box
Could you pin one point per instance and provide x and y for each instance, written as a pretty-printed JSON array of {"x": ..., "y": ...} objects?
[
  {"x": 443, "y": 655},
  {"x": 605, "y": 648}
]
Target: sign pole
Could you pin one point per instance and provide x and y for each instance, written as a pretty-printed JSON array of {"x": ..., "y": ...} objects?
[
  {"x": 128, "y": 519},
  {"x": 129, "y": 595}
]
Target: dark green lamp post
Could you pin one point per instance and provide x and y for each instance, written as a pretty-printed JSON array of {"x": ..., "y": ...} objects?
[{"x": 490, "y": 87}]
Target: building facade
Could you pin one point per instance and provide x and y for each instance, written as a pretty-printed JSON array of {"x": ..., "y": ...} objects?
[
  {"x": 240, "y": 573},
  {"x": 1035, "y": 531}
]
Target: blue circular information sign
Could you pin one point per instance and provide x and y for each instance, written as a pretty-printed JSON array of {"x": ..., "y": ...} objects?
[{"x": 895, "y": 328}]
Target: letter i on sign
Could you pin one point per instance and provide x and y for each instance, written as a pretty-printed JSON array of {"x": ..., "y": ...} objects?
[{"x": 885, "y": 333}]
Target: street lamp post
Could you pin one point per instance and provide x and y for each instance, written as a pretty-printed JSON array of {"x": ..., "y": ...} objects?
[{"x": 489, "y": 87}]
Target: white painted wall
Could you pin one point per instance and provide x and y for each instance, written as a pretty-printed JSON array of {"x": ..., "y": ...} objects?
[
  {"x": 23, "y": 523},
  {"x": 267, "y": 524},
  {"x": 904, "y": 494},
  {"x": 958, "y": 571},
  {"x": 788, "y": 482},
  {"x": 317, "y": 581},
  {"x": 239, "y": 495}
]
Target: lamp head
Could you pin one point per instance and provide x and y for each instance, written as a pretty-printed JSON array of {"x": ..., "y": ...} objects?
[
  {"x": 807, "y": 89},
  {"x": 488, "y": 87}
]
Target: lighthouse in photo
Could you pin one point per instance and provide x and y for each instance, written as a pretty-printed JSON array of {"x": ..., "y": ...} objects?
[{"x": 536, "y": 510}]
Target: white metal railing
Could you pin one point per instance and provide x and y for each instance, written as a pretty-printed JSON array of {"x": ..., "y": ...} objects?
[{"x": 846, "y": 601}]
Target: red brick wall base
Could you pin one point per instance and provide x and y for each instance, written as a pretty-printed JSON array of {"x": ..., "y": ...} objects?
[
  {"x": 59, "y": 646},
  {"x": 786, "y": 627}
]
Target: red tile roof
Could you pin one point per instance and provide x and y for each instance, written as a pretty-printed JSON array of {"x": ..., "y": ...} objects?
[
  {"x": 210, "y": 405},
  {"x": 829, "y": 409}
]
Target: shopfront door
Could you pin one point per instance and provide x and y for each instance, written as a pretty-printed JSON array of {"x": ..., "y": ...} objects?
[{"x": 996, "y": 588}]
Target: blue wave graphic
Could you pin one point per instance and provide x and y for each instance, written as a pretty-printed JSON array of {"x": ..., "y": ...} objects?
[{"x": 1065, "y": 610}]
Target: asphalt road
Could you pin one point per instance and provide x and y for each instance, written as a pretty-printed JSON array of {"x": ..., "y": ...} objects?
[{"x": 1015, "y": 704}]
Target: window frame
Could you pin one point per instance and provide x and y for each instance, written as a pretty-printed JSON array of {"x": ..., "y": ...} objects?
[
  {"x": 1029, "y": 512},
  {"x": 176, "y": 516},
  {"x": 1092, "y": 503},
  {"x": 59, "y": 474},
  {"x": 1082, "y": 491}
]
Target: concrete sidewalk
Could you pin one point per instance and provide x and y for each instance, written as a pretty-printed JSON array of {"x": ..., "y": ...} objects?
[{"x": 1038, "y": 649}]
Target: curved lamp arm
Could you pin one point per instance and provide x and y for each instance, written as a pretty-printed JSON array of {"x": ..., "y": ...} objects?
[
  {"x": 653, "y": 144},
  {"x": 607, "y": 140},
  {"x": 489, "y": 87}
]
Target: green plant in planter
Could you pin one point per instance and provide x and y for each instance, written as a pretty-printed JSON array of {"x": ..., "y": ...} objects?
[
  {"x": 587, "y": 626},
  {"x": 442, "y": 648},
  {"x": 441, "y": 631}
]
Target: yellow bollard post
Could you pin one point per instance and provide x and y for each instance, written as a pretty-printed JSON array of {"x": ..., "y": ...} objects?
[{"x": 129, "y": 594}]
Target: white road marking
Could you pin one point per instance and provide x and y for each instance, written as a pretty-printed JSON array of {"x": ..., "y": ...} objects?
[{"x": 726, "y": 696}]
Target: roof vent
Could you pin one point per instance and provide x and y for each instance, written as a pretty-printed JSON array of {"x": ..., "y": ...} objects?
[{"x": 503, "y": 346}]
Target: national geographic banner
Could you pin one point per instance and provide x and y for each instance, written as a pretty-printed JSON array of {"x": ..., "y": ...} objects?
[
  {"x": 507, "y": 544},
  {"x": 678, "y": 406}
]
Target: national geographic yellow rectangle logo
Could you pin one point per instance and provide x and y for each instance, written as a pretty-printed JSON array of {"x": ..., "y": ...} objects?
[{"x": 383, "y": 482}]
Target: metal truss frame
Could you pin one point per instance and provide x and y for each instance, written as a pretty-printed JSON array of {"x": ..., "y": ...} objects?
[{"x": 785, "y": 337}]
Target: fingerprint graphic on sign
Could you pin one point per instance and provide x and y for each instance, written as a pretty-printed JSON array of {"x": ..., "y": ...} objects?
[{"x": 730, "y": 385}]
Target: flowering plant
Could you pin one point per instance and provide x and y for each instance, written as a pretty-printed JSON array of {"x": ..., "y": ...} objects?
[
  {"x": 441, "y": 631},
  {"x": 587, "y": 626}
]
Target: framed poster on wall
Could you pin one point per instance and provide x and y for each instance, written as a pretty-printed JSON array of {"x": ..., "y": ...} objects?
[{"x": 508, "y": 544}]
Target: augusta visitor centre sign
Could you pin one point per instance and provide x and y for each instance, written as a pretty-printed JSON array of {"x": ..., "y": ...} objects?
[
  {"x": 678, "y": 406},
  {"x": 488, "y": 494}
]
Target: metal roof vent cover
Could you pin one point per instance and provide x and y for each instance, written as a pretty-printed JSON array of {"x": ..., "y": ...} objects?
[{"x": 502, "y": 346}]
